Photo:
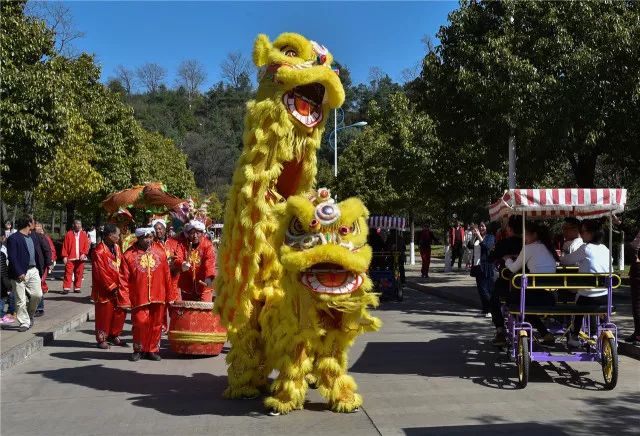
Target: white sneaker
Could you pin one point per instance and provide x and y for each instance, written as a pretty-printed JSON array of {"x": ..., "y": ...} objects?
[{"x": 487, "y": 315}]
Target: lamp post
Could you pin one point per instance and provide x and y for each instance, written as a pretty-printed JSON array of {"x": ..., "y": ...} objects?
[{"x": 335, "y": 136}]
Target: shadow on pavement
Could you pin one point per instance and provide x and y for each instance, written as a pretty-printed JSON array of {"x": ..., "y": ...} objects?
[
  {"x": 524, "y": 428},
  {"x": 78, "y": 298},
  {"x": 416, "y": 303},
  {"x": 617, "y": 415},
  {"x": 442, "y": 357},
  {"x": 198, "y": 394}
]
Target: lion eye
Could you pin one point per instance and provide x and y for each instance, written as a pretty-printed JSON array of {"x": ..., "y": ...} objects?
[
  {"x": 290, "y": 52},
  {"x": 355, "y": 229},
  {"x": 295, "y": 227}
]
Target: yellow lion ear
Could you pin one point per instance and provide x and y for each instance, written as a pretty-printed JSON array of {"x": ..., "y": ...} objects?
[{"x": 261, "y": 49}]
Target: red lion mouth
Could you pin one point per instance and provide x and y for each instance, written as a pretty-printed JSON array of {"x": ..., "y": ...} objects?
[
  {"x": 305, "y": 103},
  {"x": 329, "y": 278}
]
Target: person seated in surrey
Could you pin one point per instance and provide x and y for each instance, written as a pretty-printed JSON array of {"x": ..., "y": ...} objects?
[
  {"x": 591, "y": 257},
  {"x": 571, "y": 234},
  {"x": 539, "y": 257}
]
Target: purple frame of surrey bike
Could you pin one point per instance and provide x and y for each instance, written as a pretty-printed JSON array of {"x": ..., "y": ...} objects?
[{"x": 514, "y": 326}]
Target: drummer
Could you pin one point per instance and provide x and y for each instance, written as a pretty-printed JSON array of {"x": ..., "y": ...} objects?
[
  {"x": 195, "y": 259},
  {"x": 167, "y": 244}
]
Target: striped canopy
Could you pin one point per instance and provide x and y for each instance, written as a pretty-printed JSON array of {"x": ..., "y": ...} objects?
[
  {"x": 549, "y": 203},
  {"x": 387, "y": 222}
]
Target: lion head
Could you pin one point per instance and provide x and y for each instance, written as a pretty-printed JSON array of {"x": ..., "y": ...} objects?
[
  {"x": 298, "y": 73},
  {"x": 325, "y": 246}
]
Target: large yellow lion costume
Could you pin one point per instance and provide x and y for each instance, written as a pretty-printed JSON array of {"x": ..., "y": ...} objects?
[
  {"x": 283, "y": 130},
  {"x": 309, "y": 326}
]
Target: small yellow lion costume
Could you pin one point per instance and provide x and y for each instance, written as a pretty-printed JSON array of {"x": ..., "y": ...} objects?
[
  {"x": 308, "y": 328},
  {"x": 283, "y": 130}
]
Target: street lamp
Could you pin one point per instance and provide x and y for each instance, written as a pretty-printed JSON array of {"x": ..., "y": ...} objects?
[{"x": 335, "y": 136}]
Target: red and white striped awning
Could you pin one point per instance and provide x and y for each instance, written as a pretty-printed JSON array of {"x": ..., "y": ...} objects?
[
  {"x": 549, "y": 203},
  {"x": 387, "y": 222}
]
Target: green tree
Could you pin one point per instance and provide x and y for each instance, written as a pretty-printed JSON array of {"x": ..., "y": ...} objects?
[
  {"x": 162, "y": 161},
  {"x": 70, "y": 176},
  {"x": 559, "y": 76},
  {"x": 389, "y": 164},
  {"x": 215, "y": 209},
  {"x": 30, "y": 97}
]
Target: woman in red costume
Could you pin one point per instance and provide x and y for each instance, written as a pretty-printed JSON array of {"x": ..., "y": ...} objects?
[{"x": 196, "y": 262}]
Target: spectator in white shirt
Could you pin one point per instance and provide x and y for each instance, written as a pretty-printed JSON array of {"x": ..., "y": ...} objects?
[
  {"x": 539, "y": 257},
  {"x": 539, "y": 252},
  {"x": 592, "y": 257},
  {"x": 8, "y": 228}
]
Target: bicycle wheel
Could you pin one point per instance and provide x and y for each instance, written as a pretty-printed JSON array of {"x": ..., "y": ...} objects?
[
  {"x": 609, "y": 361},
  {"x": 523, "y": 360}
]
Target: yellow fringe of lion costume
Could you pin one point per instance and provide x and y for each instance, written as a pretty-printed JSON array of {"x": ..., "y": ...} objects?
[
  {"x": 308, "y": 327},
  {"x": 283, "y": 130}
]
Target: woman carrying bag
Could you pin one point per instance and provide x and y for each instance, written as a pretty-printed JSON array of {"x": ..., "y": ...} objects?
[{"x": 482, "y": 268}]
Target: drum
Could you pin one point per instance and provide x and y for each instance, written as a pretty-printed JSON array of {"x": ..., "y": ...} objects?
[{"x": 195, "y": 329}]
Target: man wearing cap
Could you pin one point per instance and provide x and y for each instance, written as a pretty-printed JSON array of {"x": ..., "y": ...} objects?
[
  {"x": 170, "y": 247},
  {"x": 105, "y": 271},
  {"x": 145, "y": 287},
  {"x": 196, "y": 262}
]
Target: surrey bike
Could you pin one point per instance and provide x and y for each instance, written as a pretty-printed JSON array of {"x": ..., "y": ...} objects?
[{"x": 553, "y": 203}]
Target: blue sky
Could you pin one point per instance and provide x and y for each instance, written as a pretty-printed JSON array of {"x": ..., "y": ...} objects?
[{"x": 359, "y": 34}]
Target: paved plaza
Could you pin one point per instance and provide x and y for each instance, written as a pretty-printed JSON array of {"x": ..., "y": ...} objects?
[{"x": 429, "y": 370}]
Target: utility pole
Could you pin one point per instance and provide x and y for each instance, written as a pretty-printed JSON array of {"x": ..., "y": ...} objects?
[{"x": 512, "y": 162}]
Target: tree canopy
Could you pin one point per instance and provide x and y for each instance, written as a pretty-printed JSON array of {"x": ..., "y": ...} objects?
[{"x": 67, "y": 138}]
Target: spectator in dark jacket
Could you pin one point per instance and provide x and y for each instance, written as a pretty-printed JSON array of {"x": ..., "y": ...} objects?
[
  {"x": 510, "y": 246},
  {"x": 24, "y": 259},
  {"x": 395, "y": 244}
]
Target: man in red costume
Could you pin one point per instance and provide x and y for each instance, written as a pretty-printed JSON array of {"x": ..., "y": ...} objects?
[
  {"x": 196, "y": 262},
  {"x": 105, "y": 270},
  {"x": 170, "y": 247},
  {"x": 145, "y": 287},
  {"x": 74, "y": 252}
]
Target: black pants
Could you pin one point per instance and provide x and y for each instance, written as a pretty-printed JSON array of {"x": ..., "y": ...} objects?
[
  {"x": 533, "y": 298},
  {"x": 588, "y": 301},
  {"x": 484, "y": 285},
  {"x": 456, "y": 253},
  {"x": 500, "y": 292}
]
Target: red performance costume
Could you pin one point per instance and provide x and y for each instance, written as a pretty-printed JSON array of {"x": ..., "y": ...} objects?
[
  {"x": 74, "y": 247},
  {"x": 105, "y": 270},
  {"x": 170, "y": 248},
  {"x": 145, "y": 285},
  {"x": 202, "y": 260}
]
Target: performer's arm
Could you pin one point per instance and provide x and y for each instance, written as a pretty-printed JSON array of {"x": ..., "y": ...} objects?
[
  {"x": 65, "y": 249},
  {"x": 124, "y": 299},
  {"x": 171, "y": 291},
  {"x": 210, "y": 263}
]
